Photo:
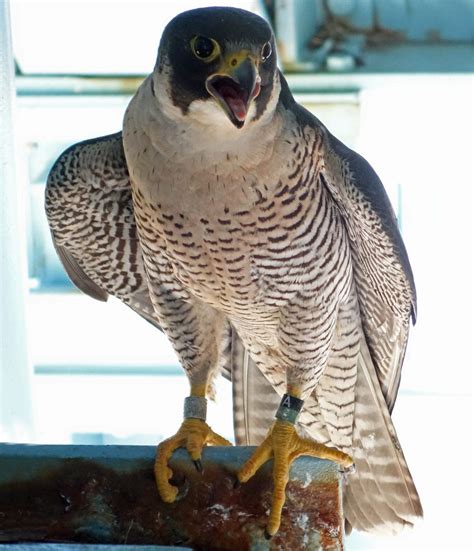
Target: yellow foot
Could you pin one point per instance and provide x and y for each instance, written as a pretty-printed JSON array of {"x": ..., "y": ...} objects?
[
  {"x": 193, "y": 434},
  {"x": 284, "y": 445}
]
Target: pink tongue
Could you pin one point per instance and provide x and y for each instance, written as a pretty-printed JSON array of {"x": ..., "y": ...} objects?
[{"x": 238, "y": 107}]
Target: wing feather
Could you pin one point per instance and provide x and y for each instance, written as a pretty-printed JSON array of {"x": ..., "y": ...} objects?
[
  {"x": 90, "y": 213},
  {"x": 382, "y": 272},
  {"x": 77, "y": 275}
]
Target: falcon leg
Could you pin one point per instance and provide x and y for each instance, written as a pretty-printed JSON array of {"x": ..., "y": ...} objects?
[
  {"x": 193, "y": 434},
  {"x": 285, "y": 445},
  {"x": 196, "y": 332}
]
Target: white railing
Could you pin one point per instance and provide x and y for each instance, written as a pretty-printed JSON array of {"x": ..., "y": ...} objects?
[{"x": 15, "y": 367}]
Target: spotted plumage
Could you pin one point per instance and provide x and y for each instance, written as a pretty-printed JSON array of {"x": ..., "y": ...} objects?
[{"x": 234, "y": 220}]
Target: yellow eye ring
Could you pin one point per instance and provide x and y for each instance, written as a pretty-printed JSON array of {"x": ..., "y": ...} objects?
[{"x": 205, "y": 49}]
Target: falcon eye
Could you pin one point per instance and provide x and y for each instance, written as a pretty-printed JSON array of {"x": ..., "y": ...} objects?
[
  {"x": 266, "y": 51},
  {"x": 205, "y": 48}
]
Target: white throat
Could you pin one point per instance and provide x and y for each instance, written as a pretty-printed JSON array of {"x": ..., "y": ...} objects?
[{"x": 205, "y": 132}]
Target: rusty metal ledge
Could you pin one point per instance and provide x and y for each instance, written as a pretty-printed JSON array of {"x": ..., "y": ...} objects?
[
  {"x": 84, "y": 547},
  {"x": 107, "y": 495}
]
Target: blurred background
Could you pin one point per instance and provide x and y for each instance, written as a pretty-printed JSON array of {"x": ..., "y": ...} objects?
[{"x": 393, "y": 79}]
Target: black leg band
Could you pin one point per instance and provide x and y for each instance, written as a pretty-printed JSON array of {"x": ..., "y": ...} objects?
[{"x": 289, "y": 408}]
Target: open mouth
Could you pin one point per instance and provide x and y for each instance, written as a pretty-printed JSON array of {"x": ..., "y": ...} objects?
[{"x": 231, "y": 96}]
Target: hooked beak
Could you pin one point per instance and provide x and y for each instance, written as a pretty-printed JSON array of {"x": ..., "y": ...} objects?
[{"x": 234, "y": 86}]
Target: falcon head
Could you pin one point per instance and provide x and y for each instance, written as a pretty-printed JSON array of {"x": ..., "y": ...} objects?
[{"x": 219, "y": 62}]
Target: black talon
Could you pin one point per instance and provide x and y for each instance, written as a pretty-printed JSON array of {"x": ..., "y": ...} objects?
[
  {"x": 198, "y": 465},
  {"x": 237, "y": 484},
  {"x": 267, "y": 535}
]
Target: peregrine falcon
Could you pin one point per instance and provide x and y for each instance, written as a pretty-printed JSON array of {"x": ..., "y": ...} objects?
[{"x": 230, "y": 217}]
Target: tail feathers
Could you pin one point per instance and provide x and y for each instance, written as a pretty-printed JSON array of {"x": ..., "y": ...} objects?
[
  {"x": 254, "y": 398},
  {"x": 381, "y": 495}
]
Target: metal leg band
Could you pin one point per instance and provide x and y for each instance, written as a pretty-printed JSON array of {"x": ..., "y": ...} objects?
[
  {"x": 289, "y": 408},
  {"x": 195, "y": 407}
]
